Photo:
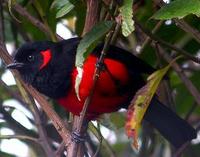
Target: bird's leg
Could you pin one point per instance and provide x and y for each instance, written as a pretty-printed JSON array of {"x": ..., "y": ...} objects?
[{"x": 80, "y": 136}]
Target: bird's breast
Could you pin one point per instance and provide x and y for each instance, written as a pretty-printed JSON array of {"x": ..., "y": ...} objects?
[{"x": 107, "y": 97}]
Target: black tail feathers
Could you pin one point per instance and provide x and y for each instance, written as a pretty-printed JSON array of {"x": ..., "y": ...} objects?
[{"x": 176, "y": 130}]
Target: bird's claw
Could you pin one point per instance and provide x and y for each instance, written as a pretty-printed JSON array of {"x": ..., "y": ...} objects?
[{"x": 77, "y": 137}]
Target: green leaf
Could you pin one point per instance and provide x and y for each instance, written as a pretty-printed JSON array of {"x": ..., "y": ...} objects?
[
  {"x": 90, "y": 41},
  {"x": 178, "y": 9},
  {"x": 66, "y": 9},
  {"x": 127, "y": 18},
  {"x": 63, "y": 7}
]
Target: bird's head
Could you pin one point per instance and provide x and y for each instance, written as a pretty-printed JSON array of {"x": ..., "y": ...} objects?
[{"x": 31, "y": 58}]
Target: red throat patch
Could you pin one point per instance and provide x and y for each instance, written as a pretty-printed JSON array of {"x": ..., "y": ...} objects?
[{"x": 46, "y": 57}]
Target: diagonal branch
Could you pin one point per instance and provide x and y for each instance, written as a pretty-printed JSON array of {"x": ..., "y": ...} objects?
[
  {"x": 92, "y": 15},
  {"x": 187, "y": 28},
  {"x": 189, "y": 85},
  {"x": 57, "y": 122}
]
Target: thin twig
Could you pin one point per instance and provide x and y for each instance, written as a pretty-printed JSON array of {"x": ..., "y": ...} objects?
[
  {"x": 165, "y": 93},
  {"x": 189, "y": 85},
  {"x": 191, "y": 110},
  {"x": 96, "y": 77},
  {"x": 59, "y": 125},
  {"x": 46, "y": 145},
  {"x": 20, "y": 30},
  {"x": 44, "y": 19},
  {"x": 16, "y": 126},
  {"x": 23, "y": 12},
  {"x": 187, "y": 28},
  {"x": 42, "y": 133},
  {"x": 105, "y": 143},
  {"x": 184, "y": 26},
  {"x": 60, "y": 150},
  {"x": 82, "y": 120},
  {"x": 20, "y": 137},
  {"x": 89, "y": 98},
  {"x": 14, "y": 94},
  {"x": 180, "y": 151},
  {"x": 92, "y": 15},
  {"x": 166, "y": 44},
  {"x": 100, "y": 140},
  {"x": 148, "y": 39},
  {"x": 43, "y": 138},
  {"x": 89, "y": 148}
]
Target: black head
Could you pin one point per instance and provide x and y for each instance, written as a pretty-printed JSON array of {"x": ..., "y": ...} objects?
[{"x": 30, "y": 58}]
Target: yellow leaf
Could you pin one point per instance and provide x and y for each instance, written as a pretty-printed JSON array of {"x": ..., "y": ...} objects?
[{"x": 141, "y": 101}]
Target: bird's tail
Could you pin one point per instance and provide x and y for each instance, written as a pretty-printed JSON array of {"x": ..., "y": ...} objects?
[{"x": 176, "y": 130}]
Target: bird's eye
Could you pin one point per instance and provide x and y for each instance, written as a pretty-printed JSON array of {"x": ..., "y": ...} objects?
[{"x": 30, "y": 58}]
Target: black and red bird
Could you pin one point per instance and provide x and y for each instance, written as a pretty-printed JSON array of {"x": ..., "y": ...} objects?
[{"x": 50, "y": 68}]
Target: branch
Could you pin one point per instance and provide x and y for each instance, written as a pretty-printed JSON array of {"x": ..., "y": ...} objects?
[
  {"x": 96, "y": 132},
  {"x": 14, "y": 95},
  {"x": 189, "y": 85},
  {"x": 92, "y": 15},
  {"x": 36, "y": 113},
  {"x": 184, "y": 26},
  {"x": 191, "y": 110},
  {"x": 58, "y": 124},
  {"x": 166, "y": 44},
  {"x": 164, "y": 89},
  {"x": 148, "y": 39},
  {"x": 21, "y": 31},
  {"x": 180, "y": 151},
  {"x": 187, "y": 28},
  {"x": 43, "y": 138},
  {"x": 88, "y": 100},
  {"x": 44, "y": 19},
  {"x": 60, "y": 150},
  {"x": 21, "y": 137},
  {"x": 16, "y": 126}
]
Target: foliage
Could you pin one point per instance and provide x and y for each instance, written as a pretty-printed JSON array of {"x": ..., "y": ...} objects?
[
  {"x": 178, "y": 9},
  {"x": 71, "y": 14}
]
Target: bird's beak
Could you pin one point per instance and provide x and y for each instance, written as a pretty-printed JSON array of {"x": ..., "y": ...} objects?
[{"x": 15, "y": 65}]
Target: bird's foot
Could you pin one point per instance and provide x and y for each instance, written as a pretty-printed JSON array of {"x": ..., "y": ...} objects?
[{"x": 77, "y": 137}]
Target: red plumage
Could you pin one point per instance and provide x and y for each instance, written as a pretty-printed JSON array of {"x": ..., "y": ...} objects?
[{"x": 106, "y": 97}]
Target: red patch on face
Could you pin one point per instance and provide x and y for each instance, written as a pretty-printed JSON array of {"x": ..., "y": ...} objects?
[{"x": 46, "y": 57}]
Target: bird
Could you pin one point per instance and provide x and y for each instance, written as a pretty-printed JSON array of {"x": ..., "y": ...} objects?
[{"x": 50, "y": 68}]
